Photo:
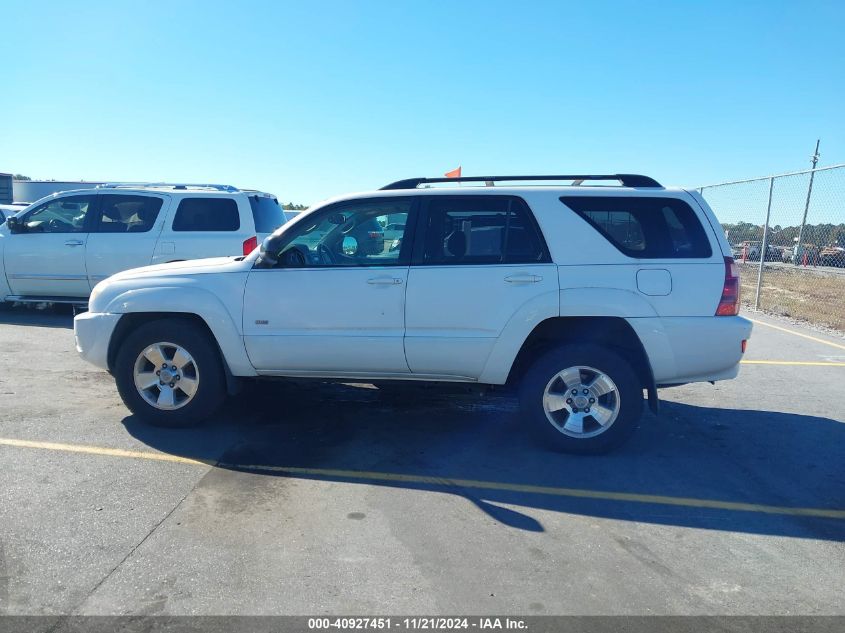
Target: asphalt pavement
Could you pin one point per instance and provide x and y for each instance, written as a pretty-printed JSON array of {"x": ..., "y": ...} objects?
[{"x": 344, "y": 499}]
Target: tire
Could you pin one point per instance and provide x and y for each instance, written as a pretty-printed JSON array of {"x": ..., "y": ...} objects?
[
  {"x": 625, "y": 399},
  {"x": 174, "y": 339}
]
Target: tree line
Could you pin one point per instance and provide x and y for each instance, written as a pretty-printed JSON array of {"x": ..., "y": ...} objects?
[{"x": 817, "y": 234}]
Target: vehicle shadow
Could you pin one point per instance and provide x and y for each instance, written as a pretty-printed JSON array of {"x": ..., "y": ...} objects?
[
  {"x": 55, "y": 316},
  {"x": 695, "y": 459}
]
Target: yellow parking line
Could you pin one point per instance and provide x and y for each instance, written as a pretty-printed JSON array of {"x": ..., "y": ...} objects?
[
  {"x": 810, "y": 363},
  {"x": 370, "y": 476},
  {"x": 801, "y": 334},
  {"x": 102, "y": 450}
]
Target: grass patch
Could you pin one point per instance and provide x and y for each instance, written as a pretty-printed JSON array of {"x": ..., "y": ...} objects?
[{"x": 809, "y": 295}]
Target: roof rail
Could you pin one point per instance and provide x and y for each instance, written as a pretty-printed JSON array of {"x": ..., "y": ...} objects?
[
  {"x": 172, "y": 185},
  {"x": 626, "y": 180}
]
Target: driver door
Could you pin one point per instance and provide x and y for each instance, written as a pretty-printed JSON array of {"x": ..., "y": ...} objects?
[
  {"x": 334, "y": 304},
  {"x": 47, "y": 258}
]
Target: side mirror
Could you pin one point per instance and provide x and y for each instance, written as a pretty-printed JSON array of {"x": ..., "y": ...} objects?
[
  {"x": 349, "y": 247},
  {"x": 267, "y": 252},
  {"x": 14, "y": 224}
]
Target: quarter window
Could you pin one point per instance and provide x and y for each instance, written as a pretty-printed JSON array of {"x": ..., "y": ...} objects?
[
  {"x": 61, "y": 215},
  {"x": 207, "y": 214},
  {"x": 481, "y": 230},
  {"x": 645, "y": 228},
  {"x": 128, "y": 214},
  {"x": 267, "y": 213}
]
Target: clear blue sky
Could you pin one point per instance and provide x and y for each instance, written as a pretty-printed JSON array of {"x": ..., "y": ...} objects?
[{"x": 312, "y": 99}]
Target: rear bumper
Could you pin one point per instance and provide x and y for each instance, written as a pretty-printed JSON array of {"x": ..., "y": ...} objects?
[
  {"x": 92, "y": 332},
  {"x": 693, "y": 349}
]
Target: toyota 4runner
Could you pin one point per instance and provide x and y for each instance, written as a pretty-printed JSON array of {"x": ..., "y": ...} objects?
[{"x": 582, "y": 297}]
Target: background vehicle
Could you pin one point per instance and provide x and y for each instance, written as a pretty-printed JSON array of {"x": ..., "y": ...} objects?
[
  {"x": 60, "y": 247},
  {"x": 7, "y": 210},
  {"x": 583, "y": 297},
  {"x": 832, "y": 256},
  {"x": 750, "y": 251},
  {"x": 808, "y": 253}
]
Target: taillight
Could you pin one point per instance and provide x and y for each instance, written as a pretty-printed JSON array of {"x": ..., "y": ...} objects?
[
  {"x": 250, "y": 244},
  {"x": 729, "y": 303}
]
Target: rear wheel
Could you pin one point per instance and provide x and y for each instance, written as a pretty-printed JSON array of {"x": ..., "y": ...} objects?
[
  {"x": 169, "y": 373},
  {"x": 581, "y": 399}
]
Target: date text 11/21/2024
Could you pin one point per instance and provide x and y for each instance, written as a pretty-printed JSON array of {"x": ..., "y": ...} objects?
[{"x": 417, "y": 623}]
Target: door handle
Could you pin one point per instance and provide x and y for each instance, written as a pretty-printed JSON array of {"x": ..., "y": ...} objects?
[
  {"x": 523, "y": 279},
  {"x": 384, "y": 281},
  {"x": 74, "y": 243}
]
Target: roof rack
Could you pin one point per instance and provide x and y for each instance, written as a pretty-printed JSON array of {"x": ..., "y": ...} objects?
[
  {"x": 164, "y": 185},
  {"x": 626, "y": 180}
]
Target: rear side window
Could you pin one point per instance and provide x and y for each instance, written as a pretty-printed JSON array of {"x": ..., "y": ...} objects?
[
  {"x": 645, "y": 228},
  {"x": 267, "y": 213},
  {"x": 127, "y": 214},
  {"x": 207, "y": 214},
  {"x": 481, "y": 230}
]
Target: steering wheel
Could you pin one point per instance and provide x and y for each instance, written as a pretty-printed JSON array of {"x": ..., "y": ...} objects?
[
  {"x": 56, "y": 225},
  {"x": 293, "y": 258},
  {"x": 325, "y": 253}
]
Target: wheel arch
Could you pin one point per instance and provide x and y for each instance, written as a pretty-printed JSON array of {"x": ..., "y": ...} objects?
[
  {"x": 131, "y": 320},
  {"x": 614, "y": 333}
]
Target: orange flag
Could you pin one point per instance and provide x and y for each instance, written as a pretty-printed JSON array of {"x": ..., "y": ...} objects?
[{"x": 455, "y": 173}]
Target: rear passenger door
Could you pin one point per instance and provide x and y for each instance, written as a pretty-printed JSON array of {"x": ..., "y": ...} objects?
[
  {"x": 479, "y": 260},
  {"x": 124, "y": 234}
]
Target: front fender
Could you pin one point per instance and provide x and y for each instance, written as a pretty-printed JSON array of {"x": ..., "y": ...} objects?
[{"x": 190, "y": 299}]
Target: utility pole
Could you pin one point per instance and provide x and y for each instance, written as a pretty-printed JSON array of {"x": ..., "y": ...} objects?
[{"x": 815, "y": 159}]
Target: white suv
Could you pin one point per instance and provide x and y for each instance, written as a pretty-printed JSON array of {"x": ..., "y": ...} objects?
[
  {"x": 60, "y": 247},
  {"x": 583, "y": 297}
]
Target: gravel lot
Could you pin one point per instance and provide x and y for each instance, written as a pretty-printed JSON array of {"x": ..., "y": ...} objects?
[{"x": 313, "y": 499}]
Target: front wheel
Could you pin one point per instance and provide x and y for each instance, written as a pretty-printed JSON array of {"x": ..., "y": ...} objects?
[
  {"x": 169, "y": 373},
  {"x": 581, "y": 399}
]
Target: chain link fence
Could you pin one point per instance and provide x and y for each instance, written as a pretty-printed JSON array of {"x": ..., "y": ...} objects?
[{"x": 788, "y": 234}]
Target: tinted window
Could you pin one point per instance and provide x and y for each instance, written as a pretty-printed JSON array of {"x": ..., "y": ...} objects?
[
  {"x": 128, "y": 214},
  {"x": 267, "y": 213},
  {"x": 61, "y": 215},
  {"x": 481, "y": 230},
  {"x": 207, "y": 214},
  {"x": 646, "y": 228}
]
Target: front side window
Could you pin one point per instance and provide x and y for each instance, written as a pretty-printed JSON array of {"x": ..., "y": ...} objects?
[
  {"x": 207, "y": 214},
  {"x": 645, "y": 228},
  {"x": 128, "y": 214},
  {"x": 61, "y": 215},
  {"x": 350, "y": 234},
  {"x": 481, "y": 230}
]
